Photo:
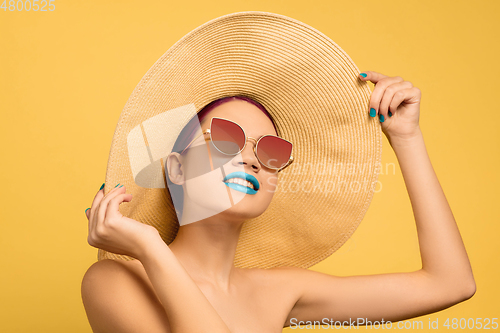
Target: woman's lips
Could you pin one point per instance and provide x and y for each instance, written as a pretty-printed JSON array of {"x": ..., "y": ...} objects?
[{"x": 242, "y": 188}]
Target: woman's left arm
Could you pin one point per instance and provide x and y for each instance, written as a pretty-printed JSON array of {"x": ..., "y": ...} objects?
[
  {"x": 445, "y": 277},
  {"x": 443, "y": 254}
]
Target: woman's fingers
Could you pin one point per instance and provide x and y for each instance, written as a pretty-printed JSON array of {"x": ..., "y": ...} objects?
[
  {"x": 372, "y": 76},
  {"x": 95, "y": 204},
  {"x": 379, "y": 91},
  {"x": 97, "y": 198},
  {"x": 378, "y": 96},
  {"x": 103, "y": 205},
  {"x": 113, "y": 204},
  {"x": 388, "y": 96},
  {"x": 394, "y": 96}
]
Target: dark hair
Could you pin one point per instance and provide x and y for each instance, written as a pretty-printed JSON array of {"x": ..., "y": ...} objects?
[{"x": 188, "y": 132}]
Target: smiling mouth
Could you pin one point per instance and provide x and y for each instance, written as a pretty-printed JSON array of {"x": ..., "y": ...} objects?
[{"x": 241, "y": 182}]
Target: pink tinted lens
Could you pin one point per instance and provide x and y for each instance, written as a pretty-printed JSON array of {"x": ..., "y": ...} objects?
[
  {"x": 227, "y": 136},
  {"x": 274, "y": 152}
]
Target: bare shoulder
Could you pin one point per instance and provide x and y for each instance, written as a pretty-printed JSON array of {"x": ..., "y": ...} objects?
[
  {"x": 117, "y": 298},
  {"x": 116, "y": 266},
  {"x": 107, "y": 271},
  {"x": 108, "y": 266}
]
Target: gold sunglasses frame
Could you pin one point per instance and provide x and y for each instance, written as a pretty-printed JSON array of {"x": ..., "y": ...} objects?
[{"x": 207, "y": 131}]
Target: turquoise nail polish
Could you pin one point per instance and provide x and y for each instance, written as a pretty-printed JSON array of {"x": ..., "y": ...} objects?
[
  {"x": 120, "y": 186},
  {"x": 381, "y": 118},
  {"x": 390, "y": 114},
  {"x": 102, "y": 186},
  {"x": 363, "y": 74},
  {"x": 117, "y": 184},
  {"x": 86, "y": 210},
  {"x": 373, "y": 113}
]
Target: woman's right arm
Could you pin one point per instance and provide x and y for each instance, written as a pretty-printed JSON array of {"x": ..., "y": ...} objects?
[{"x": 118, "y": 301}]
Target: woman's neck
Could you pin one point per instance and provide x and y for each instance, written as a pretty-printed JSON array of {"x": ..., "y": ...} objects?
[{"x": 207, "y": 248}]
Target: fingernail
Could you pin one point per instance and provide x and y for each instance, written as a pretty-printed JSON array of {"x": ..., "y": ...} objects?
[
  {"x": 363, "y": 74},
  {"x": 120, "y": 186},
  {"x": 373, "y": 113},
  {"x": 102, "y": 186},
  {"x": 117, "y": 184},
  {"x": 381, "y": 118},
  {"x": 390, "y": 114},
  {"x": 86, "y": 210}
]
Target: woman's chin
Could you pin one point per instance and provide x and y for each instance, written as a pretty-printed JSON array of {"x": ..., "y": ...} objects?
[{"x": 247, "y": 208}]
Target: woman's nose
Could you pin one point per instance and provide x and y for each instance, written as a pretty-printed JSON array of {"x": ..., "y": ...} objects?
[{"x": 248, "y": 156}]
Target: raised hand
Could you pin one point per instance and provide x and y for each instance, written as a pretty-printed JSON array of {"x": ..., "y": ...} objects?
[
  {"x": 111, "y": 231},
  {"x": 396, "y": 103}
]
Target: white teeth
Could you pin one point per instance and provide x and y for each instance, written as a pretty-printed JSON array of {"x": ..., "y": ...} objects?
[{"x": 241, "y": 182}]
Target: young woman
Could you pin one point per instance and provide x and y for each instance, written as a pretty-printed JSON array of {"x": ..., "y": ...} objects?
[{"x": 192, "y": 285}]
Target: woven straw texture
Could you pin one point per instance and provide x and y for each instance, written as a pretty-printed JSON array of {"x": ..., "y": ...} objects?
[{"x": 310, "y": 87}]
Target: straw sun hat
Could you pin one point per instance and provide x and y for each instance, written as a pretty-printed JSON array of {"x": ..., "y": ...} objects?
[{"x": 310, "y": 87}]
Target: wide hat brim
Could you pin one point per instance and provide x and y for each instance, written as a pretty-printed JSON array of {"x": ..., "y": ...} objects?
[{"x": 310, "y": 87}]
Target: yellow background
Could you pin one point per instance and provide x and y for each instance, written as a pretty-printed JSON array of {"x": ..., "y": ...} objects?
[{"x": 66, "y": 75}]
